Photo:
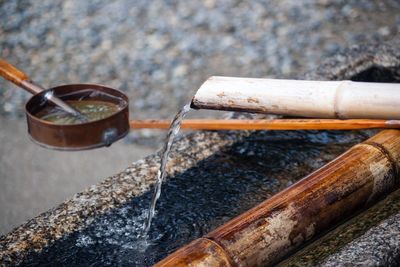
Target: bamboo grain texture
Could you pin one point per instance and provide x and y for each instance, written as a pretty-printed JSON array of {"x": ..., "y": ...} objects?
[{"x": 11, "y": 73}]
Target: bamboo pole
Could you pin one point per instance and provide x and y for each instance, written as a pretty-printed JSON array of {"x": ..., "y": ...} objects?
[
  {"x": 318, "y": 99},
  {"x": 265, "y": 234},
  {"x": 274, "y": 124}
]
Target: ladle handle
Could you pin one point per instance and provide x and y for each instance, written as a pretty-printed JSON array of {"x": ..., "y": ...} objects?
[
  {"x": 18, "y": 77},
  {"x": 274, "y": 124}
]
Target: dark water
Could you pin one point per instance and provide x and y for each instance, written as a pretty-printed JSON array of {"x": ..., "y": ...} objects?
[{"x": 198, "y": 200}]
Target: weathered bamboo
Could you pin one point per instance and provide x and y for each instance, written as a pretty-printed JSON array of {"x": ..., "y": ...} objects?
[
  {"x": 274, "y": 124},
  {"x": 263, "y": 235},
  {"x": 318, "y": 99}
]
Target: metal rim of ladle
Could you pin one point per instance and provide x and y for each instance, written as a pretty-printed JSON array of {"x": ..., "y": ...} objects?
[{"x": 81, "y": 136}]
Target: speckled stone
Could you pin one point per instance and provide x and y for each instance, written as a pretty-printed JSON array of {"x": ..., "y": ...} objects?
[{"x": 379, "y": 246}]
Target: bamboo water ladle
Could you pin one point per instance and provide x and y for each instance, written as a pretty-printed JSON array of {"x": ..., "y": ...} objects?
[{"x": 71, "y": 137}]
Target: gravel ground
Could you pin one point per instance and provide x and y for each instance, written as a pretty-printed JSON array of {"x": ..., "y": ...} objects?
[{"x": 158, "y": 52}]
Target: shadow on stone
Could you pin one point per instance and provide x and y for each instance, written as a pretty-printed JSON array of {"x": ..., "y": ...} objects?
[{"x": 378, "y": 74}]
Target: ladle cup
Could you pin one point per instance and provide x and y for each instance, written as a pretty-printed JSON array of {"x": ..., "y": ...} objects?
[{"x": 80, "y": 136}]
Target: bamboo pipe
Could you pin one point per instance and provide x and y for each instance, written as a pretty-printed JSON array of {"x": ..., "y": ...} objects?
[
  {"x": 318, "y": 99},
  {"x": 268, "y": 232},
  {"x": 274, "y": 124}
]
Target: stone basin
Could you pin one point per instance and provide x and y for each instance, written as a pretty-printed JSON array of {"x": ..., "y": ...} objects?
[{"x": 213, "y": 177}]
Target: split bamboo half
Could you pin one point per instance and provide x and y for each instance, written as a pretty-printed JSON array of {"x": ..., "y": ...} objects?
[
  {"x": 278, "y": 226},
  {"x": 318, "y": 99}
]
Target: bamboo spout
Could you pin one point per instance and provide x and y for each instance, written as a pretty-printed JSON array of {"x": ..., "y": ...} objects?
[
  {"x": 318, "y": 99},
  {"x": 278, "y": 226}
]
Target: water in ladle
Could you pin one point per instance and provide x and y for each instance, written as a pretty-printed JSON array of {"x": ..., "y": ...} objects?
[
  {"x": 94, "y": 105},
  {"x": 172, "y": 132},
  {"x": 92, "y": 109}
]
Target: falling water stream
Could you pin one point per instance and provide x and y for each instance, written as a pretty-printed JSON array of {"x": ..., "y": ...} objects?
[{"x": 172, "y": 133}]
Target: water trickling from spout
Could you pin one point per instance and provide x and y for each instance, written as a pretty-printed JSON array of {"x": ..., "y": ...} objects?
[{"x": 172, "y": 132}]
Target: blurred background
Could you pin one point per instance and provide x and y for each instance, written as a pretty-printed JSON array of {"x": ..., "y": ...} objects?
[{"x": 158, "y": 53}]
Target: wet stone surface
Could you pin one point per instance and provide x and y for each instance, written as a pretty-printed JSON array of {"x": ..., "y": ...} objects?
[{"x": 198, "y": 200}]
